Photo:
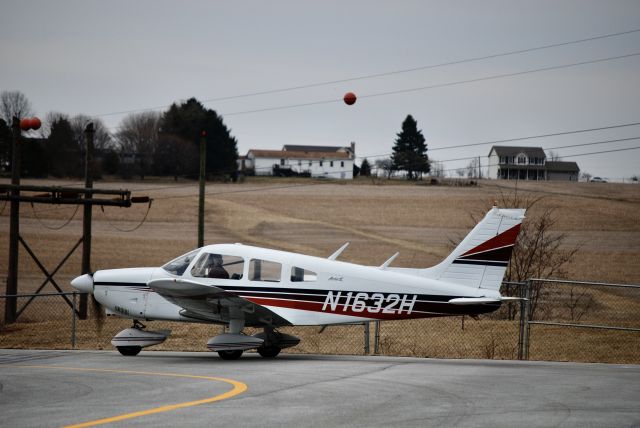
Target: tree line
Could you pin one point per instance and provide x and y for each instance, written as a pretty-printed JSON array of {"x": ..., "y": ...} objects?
[
  {"x": 161, "y": 144},
  {"x": 147, "y": 143}
]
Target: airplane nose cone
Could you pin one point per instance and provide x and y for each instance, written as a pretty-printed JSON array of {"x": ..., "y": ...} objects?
[{"x": 83, "y": 283}]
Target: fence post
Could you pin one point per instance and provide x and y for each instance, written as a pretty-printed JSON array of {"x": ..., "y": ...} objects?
[
  {"x": 526, "y": 318},
  {"x": 74, "y": 313},
  {"x": 521, "y": 293},
  {"x": 376, "y": 337},
  {"x": 366, "y": 338}
]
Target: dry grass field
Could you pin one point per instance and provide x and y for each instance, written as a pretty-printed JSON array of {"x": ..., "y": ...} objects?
[{"x": 316, "y": 217}]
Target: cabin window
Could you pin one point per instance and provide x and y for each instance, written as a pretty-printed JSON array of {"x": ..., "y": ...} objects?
[
  {"x": 218, "y": 266},
  {"x": 179, "y": 265},
  {"x": 263, "y": 270},
  {"x": 302, "y": 275}
]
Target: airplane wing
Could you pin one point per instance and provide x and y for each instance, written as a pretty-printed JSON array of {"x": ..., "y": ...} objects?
[{"x": 210, "y": 303}]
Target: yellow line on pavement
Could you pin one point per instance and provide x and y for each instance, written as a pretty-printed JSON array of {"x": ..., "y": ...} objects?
[{"x": 238, "y": 388}]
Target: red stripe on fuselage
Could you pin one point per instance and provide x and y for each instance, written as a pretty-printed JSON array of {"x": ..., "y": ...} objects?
[{"x": 340, "y": 310}]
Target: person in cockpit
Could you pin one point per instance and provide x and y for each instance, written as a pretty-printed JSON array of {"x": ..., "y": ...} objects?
[{"x": 215, "y": 267}]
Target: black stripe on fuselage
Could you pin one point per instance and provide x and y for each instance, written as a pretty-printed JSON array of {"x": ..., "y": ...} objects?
[
  {"x": 480, "y": 262},
  {"x": 137, "y": 286}
]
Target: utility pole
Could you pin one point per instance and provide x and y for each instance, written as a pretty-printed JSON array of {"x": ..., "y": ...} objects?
[
  {"x": 203, "y": 156},
  {"x": 14, "y": 225},
  {"x": 479, "y": 169},
  {"x": 89, "y": 133}
]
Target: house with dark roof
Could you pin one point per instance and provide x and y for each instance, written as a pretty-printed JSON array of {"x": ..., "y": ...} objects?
[
  {"x": 313, "y": 161},
  {"x": 528, "y": 163}
]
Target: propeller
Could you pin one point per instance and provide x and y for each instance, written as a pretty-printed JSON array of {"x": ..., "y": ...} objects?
[{"x": 84, "y": 284}]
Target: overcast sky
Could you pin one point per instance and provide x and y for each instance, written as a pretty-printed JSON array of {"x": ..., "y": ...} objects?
[{"x": 105, "y": 57}]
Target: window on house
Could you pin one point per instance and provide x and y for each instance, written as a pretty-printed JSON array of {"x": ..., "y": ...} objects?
[
  {"x": 522, "y": 160},
  {"x": 342, "y": 164},
  {"x": 299, "y": 163},
  {"x": 281, "y": 162},
  {"x": 302, "y": 275},
  {"x": 331, "y": 163},
  {"x": 310, "y": 163},
  {"x": 263, "y": 270},
  {"x": 320, "y": 163}
]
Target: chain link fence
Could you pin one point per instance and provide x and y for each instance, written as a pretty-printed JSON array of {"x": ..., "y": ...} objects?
[
  {"x": 583, "y": 321},
  {"x": 559, "y": 321}
]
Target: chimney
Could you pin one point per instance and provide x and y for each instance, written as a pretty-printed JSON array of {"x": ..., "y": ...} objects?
[{"x": 353, "y": 150}]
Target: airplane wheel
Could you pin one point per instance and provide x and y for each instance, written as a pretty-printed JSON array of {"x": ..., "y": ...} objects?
[
  {"x": 129, "y": 351},
  {"x": 269, "y": 351},
  {"x": 230, "y": 355}
]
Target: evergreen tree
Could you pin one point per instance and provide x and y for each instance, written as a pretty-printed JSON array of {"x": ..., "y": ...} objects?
[
  {"x": 410, "y": 150},
  {"x": 187, "y": 121},
  {"x": 365, "y": 168},
  {"x": 63, "y": 150}
]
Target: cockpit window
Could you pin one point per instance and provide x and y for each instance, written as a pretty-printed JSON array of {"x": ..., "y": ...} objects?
[
  {"x": 218, "y": 266},
  {"x": 263, "y": 270},
  {"x": 179, "y": 265}
]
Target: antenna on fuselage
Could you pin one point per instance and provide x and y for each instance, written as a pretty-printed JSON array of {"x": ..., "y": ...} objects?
[
  {"x": 338, "y": 252},
  {"x": 386, "y": 264}
]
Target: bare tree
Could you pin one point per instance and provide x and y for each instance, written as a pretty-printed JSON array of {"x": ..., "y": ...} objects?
[
  {"x": 585, "y": 176},
  {"x": 553, "y": 156},
  {"x": 473, "y": 169},
  {"x": 460, "y": 172},
  {"x": 14, "y": 103},
  {"x": 138, "y": 135},
  {"x": 539, "y": 252},
  {"x": 102, "y": 137},
  {"x": 387, "y": 166},
  {"x": 437, "y": 169}
]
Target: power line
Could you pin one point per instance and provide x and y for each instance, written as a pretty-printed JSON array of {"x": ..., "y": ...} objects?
[
  {"x": 387, "y": 73},
  {"x": 530, "y": 137},
  {"x": 439, "y": 85}
]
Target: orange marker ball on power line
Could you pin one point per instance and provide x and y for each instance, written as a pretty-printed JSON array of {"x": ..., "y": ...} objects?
[
  {"x": 349, "y": 98},
  {"x": 25, "y": 124}
]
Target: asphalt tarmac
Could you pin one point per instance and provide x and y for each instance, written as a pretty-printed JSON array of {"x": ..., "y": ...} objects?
[{"x": 58, "y": 388}]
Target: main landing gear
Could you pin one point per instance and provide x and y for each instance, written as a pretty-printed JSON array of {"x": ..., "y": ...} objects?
[{"x": 269, "y": 343}]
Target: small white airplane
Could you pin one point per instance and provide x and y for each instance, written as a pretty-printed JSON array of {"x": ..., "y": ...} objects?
[{"x": 239, "y": 285}]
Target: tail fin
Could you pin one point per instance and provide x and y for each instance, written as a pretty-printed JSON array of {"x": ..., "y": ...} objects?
[{"x": 481, "y": 259}]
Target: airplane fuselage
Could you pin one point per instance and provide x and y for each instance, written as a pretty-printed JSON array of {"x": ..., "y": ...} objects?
[{"x": 301, "y": 289}]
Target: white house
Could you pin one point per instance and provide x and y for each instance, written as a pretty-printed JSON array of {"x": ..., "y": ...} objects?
[
  {"x": 517, "y": 163},
  {"x": 313, "y": 161}
]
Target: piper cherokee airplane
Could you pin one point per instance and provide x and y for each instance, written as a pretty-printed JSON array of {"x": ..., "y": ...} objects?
[{"x": 239, "y": 285}]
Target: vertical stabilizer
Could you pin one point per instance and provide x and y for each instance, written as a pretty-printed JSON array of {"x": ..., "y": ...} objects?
[{"x": 481, "y": 259}]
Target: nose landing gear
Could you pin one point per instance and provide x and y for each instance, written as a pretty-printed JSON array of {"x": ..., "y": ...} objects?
[{"x": 130, "y": 341}]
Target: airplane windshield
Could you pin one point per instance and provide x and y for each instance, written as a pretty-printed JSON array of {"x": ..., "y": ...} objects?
[{"x": 179, "y": 265}]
